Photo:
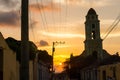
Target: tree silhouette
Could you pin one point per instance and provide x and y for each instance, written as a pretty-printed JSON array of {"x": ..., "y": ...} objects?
[{"x": 15, "y": 45}]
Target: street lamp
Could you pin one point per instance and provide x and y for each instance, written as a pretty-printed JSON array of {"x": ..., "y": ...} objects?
[{"x": 53, "y": 50}]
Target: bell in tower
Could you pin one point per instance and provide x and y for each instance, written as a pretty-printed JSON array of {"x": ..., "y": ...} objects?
[{"x": 93, "y": 42}]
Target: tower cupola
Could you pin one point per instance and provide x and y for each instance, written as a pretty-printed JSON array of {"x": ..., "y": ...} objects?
[{"x": 93, "y": 41}]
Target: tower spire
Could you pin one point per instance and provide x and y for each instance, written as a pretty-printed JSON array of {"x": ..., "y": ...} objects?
[{"x": 93, "y": 42}]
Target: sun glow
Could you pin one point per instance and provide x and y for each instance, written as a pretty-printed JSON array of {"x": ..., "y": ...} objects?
[{"x": 60, "y": 64}]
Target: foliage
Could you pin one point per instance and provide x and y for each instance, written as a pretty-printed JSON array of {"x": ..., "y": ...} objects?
[
  {"x": 44, "y": 56},
  {"x": 15, "y": 45}
]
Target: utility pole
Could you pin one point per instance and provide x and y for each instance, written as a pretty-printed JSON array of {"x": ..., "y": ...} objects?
[
  {"x": 53, "y": 50},
  {"x": 24, "y": 64}
]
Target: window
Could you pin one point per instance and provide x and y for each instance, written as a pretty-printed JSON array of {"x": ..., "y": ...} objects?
[
  {"x": 95, "y": 74},
  {"x": 93, "y": 26},
  {"x": 93, "y": 31},
  {"x": 1, "y": 63},
  {"x": 1, "y": 75},
  {"x": 114, "y": 72},
  {"x": 104, "y": 75},
  {"x": 93, "y": 35}
]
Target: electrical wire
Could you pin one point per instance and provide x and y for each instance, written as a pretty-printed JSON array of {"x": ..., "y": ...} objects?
[
  {"x": 53, "y": 18},
  {"x": 43, "y": 17},
  {"x": 110, "y": 29},
  {"x": 60, "y": 17},
  {"x": 110, "y": 26},
  {"x": 66, "y": 14},
  {"x": 45, "y": 27},
  {"x": 114, "y": 24},
  {"x": 31, "y": 27}
]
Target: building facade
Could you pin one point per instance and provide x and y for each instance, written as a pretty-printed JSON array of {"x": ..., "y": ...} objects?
[
  {"x": 61, "y": 76},
  {"x": 9, "y": 66},
  {"x": 43, "y": 72},
  {"x": 105, "y": 66},
  {"x": 7, "y": 61},
  {"x": 89, "y": 73},
  {"x": 110, "y": 71}
]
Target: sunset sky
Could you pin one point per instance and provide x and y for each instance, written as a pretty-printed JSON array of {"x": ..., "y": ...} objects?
[{"x": 61, "y": 20}]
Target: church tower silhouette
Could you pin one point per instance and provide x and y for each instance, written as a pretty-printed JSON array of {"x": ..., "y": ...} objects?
[{"x": 93, "y": 41}]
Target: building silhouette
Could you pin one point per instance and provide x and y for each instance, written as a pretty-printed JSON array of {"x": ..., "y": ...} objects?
[
  {"x": 94, "y": 61},
  {"x": 93, "y": 42},
  {"x": 10, "y": 61}
]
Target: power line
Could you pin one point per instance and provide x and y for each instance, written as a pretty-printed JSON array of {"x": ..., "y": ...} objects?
[
  {"x": 110, "y": 26},
  {"x": 66, "y": 13},
  {"x": 53, "y": 19},
  {"x": 114, "y": 24},
  {"x": 31, "y": 25},
  {"x": 60, "y": 13},
  {"x": 110, "y": 29},
  {"x": 43, "y": 17}
]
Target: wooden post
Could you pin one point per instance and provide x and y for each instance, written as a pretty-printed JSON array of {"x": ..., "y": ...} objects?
[{"x": 24, "y": 64}]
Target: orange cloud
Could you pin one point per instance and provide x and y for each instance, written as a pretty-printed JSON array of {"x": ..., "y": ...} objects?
[{"x": 45, "y": 7}]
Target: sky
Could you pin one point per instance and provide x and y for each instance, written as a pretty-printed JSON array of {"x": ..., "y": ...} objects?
[{"x": 61, "y": 21}]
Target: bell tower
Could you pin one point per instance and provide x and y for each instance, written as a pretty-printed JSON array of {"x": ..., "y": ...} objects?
[{"x": 93, "y": 41}]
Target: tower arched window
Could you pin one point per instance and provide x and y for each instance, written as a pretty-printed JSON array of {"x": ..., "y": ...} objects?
[
  {"x": 93, "y": 26},
  {"x": 93, "y": 34}
]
